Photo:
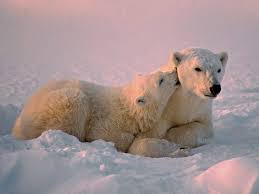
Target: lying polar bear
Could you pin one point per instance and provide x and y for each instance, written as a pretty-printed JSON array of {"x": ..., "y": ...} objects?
[
  {"x": 90, "y": 111},
  {"x": 187, "y": 118}
]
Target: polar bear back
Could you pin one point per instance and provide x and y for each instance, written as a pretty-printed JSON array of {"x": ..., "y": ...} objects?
[{"x": 90, "y": 111}]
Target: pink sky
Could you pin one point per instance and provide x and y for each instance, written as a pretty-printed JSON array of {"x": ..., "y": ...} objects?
[
  {"x": 128, "y": 32},
  {"x": 76, "y": 7}
]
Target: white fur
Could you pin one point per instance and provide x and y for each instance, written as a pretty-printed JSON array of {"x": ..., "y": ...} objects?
[
  {"x": 189, "y": 110},
  {"x": 90, "y": 111},
  {"x": 187, "y": 119}
]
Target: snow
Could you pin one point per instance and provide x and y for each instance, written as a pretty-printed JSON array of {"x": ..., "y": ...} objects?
[
  {"x": 108, "y": 42},
  {"x": 8, "y": 114},
  {"x": 239, "y": 175},
  {"x": 58, "y": 163}
]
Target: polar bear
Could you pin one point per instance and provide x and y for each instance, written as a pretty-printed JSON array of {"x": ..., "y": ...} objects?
[
  {"x": 187, "y": 118},
  {"x": 90, "y": 111}
]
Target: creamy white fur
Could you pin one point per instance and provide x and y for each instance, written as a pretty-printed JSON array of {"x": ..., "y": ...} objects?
[
  {"x": 90, "y": 111},
  {"x": 187, "y": 119}
]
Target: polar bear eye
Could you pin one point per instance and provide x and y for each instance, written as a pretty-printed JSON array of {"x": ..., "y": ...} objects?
[
  {"x": 219, "y": 70},
  {"x": 198, "y": 69},
  {"x": 141, "y": 100},
  {"x": 161, "y": 81}
]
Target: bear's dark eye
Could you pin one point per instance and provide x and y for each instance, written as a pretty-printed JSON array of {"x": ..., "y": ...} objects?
[
  {"x": 219, "y": 70},
  {"x": 198, "y": 69},
  {"x": 141, "y": 101},
  {"x": 161, "y": 81}
]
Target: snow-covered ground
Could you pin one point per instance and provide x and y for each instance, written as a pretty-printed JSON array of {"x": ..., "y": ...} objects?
[{"x": 58, "y": 163}]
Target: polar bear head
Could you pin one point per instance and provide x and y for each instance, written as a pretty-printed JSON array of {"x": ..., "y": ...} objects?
[
  {"x": 148, "y": 95},
  {"x": 153, "y": 89},
  {"x": 200, "y": 71}
]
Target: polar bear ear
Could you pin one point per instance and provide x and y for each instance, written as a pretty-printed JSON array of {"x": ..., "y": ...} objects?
[
  {"x": 176, "y": 58},
  {"x": 141, "y": 100},
  {"x": 223, "y": 57}
]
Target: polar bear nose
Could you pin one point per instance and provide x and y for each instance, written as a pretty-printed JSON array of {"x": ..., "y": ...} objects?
[{"x": 215, "y": 89}]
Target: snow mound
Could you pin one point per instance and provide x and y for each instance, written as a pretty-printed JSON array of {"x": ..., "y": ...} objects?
[
  {"x": 238, "y": 175},
  {"x": 58, "y": 163}
]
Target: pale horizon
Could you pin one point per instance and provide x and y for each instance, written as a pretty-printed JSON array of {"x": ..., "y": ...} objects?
[{"x": 106, "y": 33}]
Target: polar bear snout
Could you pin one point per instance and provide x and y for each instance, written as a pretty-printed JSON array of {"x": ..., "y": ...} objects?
[
  {"x": 175, "y": 78},
  {"x": 215, "y": 89}
]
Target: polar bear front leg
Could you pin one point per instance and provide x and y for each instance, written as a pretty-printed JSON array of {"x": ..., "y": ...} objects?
[
  {"x": 191, "y": 135},
  {"x": 157, "y": 148},
  {"x": 123, "y": 141}
]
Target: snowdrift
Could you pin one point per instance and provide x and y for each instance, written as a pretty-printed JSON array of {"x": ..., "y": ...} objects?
[{"x": 58, "y": 163}]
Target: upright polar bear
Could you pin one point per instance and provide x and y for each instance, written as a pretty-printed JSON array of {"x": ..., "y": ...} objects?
[
  {"x": 187, "y": 118},
  {"x": 90, "y": 111}
]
